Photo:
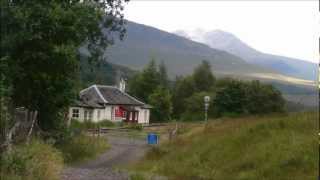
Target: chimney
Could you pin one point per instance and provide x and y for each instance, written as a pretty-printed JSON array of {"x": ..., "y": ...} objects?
[{"x": 122, "y": 85}]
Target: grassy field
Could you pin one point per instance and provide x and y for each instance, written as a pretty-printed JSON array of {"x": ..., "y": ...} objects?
[{"x": 278, "y": 147}]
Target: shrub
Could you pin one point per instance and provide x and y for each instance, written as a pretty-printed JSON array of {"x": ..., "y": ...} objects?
[
  {"x": 82, "y": 147},
  {"x": 35, "y": 161}
]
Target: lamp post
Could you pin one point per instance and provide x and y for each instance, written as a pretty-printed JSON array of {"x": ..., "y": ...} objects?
[{"x": 206, "y": 106}]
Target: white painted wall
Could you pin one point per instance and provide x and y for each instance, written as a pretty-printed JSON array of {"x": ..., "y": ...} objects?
[
  {"x": 144, "y": 115},
  {"x": 81, "y": 113},
  {"x": 108, "y": 113}
]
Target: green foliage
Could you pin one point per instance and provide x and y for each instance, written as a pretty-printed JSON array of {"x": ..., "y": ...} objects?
[
  {"x": 274, "y": 147},
  {"x": 104, "y": 73},
  {"x": 194, "y": 107},
  {"x": 152, "y": 86},
  {"x": 230, "y": 98},
  {"x": 35, "y": 161},
  {"x": 189, "y": 89},
  {"x": 263, "y": 98},
  {"x": 203, "y": 77},
  {"x": 163, "y": 75},
  {"x": 75, "y": 124},
  {"x": 82, "y": 147},
  {"x": 234, "y": 97},
  {"x": 40, "y": 45},
  {"x": 183, "y": 88},
  {"x": 162, "y": 105},
  {"x": 145, "y": 83}
]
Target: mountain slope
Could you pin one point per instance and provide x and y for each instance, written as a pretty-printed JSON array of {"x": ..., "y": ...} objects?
[
  {"x": 180, "y": 54},
  {"x": 228, "y": 42}
]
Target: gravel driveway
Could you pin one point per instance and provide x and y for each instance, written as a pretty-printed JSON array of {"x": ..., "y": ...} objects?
[{"x": 124, "y": 150}]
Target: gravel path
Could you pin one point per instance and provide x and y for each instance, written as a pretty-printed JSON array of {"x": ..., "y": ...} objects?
[{"x": 123, "y": 151}]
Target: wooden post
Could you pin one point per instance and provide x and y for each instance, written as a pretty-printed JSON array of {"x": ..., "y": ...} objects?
[{"x": 34, "y": 119}]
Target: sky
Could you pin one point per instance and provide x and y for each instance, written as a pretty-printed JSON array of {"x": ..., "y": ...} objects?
[{"x": 288, "y": 28}]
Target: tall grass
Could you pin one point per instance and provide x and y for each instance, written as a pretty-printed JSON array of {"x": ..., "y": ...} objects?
[
  {"x": 35, "y": 161},
  {"x": 75, "y": 124},
  {"x": 267, "y": 148},
  {"x": 82, "y": 147}
]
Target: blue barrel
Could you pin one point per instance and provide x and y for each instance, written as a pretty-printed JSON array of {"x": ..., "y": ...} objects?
[{"x": 152, "y": 138}]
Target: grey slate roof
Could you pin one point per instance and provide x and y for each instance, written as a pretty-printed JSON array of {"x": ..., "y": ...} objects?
[
  {"x": 101, "y": 94},
  {"x": 87, "y": 104},
  {"x": 114, "y": 96}
]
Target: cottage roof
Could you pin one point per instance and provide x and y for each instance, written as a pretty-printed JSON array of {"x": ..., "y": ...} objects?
[
  {"x": 87, "y": 104},
  {"x": 108, "y": 95}
]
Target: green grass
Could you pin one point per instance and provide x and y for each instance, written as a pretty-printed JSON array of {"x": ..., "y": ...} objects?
[
  {"x": 34, "y": 161},
  {"x": 278, "y": 147},
  {"x": 82, "y": 147},
  {"x": 89, "y": 125}
]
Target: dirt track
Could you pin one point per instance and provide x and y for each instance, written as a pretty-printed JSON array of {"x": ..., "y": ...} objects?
[{"x": 124, "y": 150}]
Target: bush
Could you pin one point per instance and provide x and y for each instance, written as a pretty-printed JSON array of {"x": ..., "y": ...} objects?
[
  {"x": 82, "y": 147},
  {"x": 35, "y": 161}
]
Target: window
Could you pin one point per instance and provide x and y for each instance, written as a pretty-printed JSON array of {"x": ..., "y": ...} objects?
[{"x": 75, "y": 113}]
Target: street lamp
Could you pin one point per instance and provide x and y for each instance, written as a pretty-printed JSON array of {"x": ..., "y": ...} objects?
[{"x": 206, "y": 106}]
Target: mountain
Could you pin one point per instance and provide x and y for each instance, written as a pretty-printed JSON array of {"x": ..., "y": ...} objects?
[
  {"x": 105, "y": 73},
  {"x": 180, "y": 54},
  {"x": 228, "y": 42}
]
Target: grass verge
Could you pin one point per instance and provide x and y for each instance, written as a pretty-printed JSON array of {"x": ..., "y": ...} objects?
[
  {"x": 275, "y": 147},
  {"x": 35, "y": 161},
  {"x": 82, "y": 147}
]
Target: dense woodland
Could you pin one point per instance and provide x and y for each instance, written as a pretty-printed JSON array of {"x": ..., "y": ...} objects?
[{"x": 182, "y": 99}]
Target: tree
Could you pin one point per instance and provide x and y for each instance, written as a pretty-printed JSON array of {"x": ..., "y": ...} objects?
[
  {"x": 143, "y": 84},
  {"x": 194, "y": 106},
  {"x": 230, "y": 99},
  {"x": 184, "y": 87},
  {"x": 40, "y": 41},
  {"x": 5, "y": 103},
  {"x": 162, "y": 105},
  {"x": 203, "y": 77},
  {"x": 263, "y": 98},
  {"x": 237, "y": 97},
  {"x": 163, "y": 76}
]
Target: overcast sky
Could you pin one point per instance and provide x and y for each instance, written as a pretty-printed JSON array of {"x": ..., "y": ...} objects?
[{"x": 289, "y": 28}]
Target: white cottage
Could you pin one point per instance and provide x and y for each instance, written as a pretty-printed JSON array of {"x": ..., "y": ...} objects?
[{"x": 100, "y": 102}]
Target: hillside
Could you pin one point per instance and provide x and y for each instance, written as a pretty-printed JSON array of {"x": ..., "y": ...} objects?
[
  {"x": 273, "y": 147},
  {"x": 230, "y": 43},
  {"x": 180, "y": 54},
  {"x": 105, "y": 73}
]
